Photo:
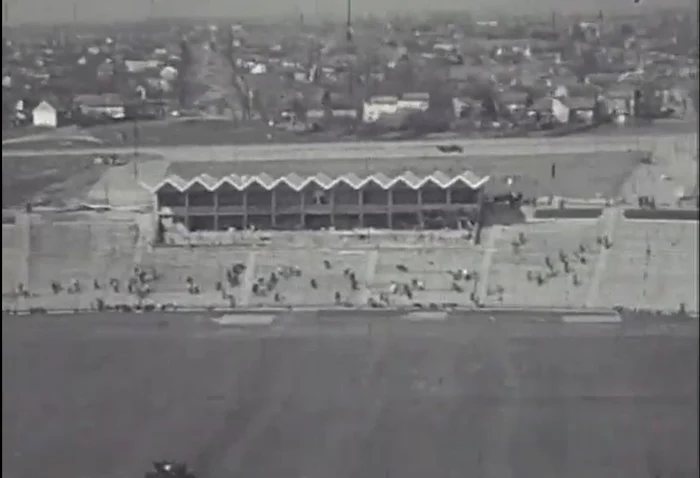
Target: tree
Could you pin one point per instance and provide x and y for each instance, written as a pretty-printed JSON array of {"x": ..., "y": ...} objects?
[
  {"x": 489, "y": 109},
  {"x": 694, "y": 95},
  {"x": 404, "y": 75},
  {"x": 529, "y": 101},
  {"x": 299, "y": 109},
  {"x": 182, "y": 72}
]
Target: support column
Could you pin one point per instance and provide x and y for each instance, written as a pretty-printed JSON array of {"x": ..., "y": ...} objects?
[
  {"x": 479, "y": 215},
  {"x": 273, "y": 209},
  {"x": 302, "y": 206},
  {"x": 331, "y": 200},
  {"x": 361, "y": 208},
  {"x": 390, "y": 208},
  {"x": 187, "y": 210},
  {"x": 245, "y": 210},
  {"x": 421, "y": 220},
  {"x": 216, "y": 210}
]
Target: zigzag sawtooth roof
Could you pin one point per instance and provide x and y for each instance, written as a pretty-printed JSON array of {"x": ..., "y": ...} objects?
[{"x": 297, "y": 182}]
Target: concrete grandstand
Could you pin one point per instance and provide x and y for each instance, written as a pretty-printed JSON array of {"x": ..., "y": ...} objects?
[
  {"x": 520, "y": 261},
  {"x": 557, "y": 264},
  {"x": 314, "y": 195}
]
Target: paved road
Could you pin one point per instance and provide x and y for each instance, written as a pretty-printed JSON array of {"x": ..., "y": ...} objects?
[
  {"x": 103, "y": 396},
  {"x": 356, "y": 150}
]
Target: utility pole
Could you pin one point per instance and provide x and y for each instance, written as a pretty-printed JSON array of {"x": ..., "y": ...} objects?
[
  {"x": 136, "y": 137},
  {"x": 349, "y": 38},
  {"x": 348, "y": 24},
  {"x": 75, "y": 12}
]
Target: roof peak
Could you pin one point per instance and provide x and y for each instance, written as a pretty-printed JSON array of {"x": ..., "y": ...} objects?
[{"x": 298, "y": 182}]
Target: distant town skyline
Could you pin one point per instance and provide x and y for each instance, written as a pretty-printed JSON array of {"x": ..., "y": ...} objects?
[{"x": 106, "y": 11}]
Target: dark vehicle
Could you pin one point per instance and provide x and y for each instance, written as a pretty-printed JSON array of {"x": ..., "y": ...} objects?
[
  {"x": 450, "y": 148},
  {"x": 167, "y": 469}
]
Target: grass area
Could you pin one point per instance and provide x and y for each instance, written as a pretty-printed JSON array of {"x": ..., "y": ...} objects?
[
  {"x": 13, "y": 133},
  {"x": 577, "y": 175},
  {"x": 51, "y": 143},
  {"x": 49, "y": 177}
]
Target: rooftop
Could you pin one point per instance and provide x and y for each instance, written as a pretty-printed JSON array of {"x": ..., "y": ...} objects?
[{"x": 583, "y": 175}]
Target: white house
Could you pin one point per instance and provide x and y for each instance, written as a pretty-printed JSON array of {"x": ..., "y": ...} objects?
[
  {"x": 553, "y": 108},
  {"x": 378, "y": 106},
  {"x": 44, "y": 115}
]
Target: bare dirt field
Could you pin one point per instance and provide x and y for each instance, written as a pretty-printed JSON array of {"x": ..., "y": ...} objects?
[
  {"x": 215, "y": 131},
  {"x": 55, "y": 180},
  {"x": 197, "y": 131},
  {"x": 99, "y": 396}
]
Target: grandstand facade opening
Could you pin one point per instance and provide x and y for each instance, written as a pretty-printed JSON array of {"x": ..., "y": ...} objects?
[{"x": 292, "y": 202}]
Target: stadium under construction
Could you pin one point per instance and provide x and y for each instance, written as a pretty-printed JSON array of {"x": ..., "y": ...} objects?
[{"x": 403, "y": 200}]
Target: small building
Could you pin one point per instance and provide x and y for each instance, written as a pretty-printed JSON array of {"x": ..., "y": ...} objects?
[
  {"x": 414, "y": 101},
  {"x": 464, "y": 107},
  {"x": 621, "y": 100},
  {"x": 378, "y": 106},
  {"x": 551, "y": 108},
  {"x": 108, "y": 105},
  {"x": 44, "y": 115},
  {"x": 514, "y": 100}
]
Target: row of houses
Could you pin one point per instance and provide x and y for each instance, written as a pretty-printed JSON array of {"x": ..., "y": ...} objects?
[
  {"x": 557, "y": 107},
  {"x": 52, "y": 112}
]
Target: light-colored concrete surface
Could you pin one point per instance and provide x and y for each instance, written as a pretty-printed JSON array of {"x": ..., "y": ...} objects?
[
  {"x": 591, "y": 319},
  {"x": 64, "y": 251},
  {"x": 652, "y": 265},
  {"x": 509, "y": 282},
  {"x": 249, "y": 278},
  {"x": 431, "y": 267},
  {"x": 12, "y": 257},
  {"x": 107, "y": 246},
  {"x": 204, "y": 265},
  {"x": 493, "y": 234},
  {"x": 327, "y": 268},
  {"x": 611, "y": 218},
  {"x": 426, "y": 316},
  {"x": 371, "y": 271},
  {"x": 245, "y": 319}
]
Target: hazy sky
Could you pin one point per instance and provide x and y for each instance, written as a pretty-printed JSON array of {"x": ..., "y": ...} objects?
[{"x": 59, "y": 11}]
